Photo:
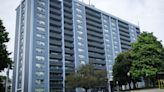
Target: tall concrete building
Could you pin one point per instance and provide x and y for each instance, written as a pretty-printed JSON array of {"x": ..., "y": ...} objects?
[{"x": 54, "y": 37}]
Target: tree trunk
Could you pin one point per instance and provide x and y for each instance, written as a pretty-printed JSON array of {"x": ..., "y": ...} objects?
[
  {"x": 134, "y": 84},
  {"x": 129, "y": 85},
  {"x": 146, "y": 82},
  {"x": 86, "y": 89}
]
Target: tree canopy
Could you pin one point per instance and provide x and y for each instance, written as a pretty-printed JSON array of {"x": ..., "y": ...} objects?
[
  {"x": 147, "y": 55},
  {"x": 87, "y": 77},
  {"x": 4, "y": 54},
  {"x": 144, "y": 59},
  {"x": 121, "y": 68}
]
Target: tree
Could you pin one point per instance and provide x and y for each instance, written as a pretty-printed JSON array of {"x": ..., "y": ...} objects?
[
  {"x": 121, "y": 69},
  {"x": 4, "y": 54},
  {"x": 147, "y": 55},
  {"x": 87, "y": 77}
]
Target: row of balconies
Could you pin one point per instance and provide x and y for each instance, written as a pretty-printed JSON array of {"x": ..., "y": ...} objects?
[
  {"x": 93, "y": 13},
  {"x": 55, "y": 17},
  {"x": 94, "y": 44},
  {"x": 125, "y": 38},
  {"x": 95, "y": 34},
  {"x": 96, "y": 55},
  {"x": 55, "y": 36},
  {"x": 68, "y": 32},
  {"x": 89, "y": 17},
  {"x": 93, "y": 28},
  {"x": 55, "y": 29},
  {"x": 95, "y": 61},
  {"x": 55, "y": 42},
  {"x": 125, "y": 34},
  {"x": 89, "y": 22},
  {"x": 54, "y": 11},
  {"x": 95, "y": 39},
  {"x": 100, "y": 51},
  {"x": 56, "y": 5}
]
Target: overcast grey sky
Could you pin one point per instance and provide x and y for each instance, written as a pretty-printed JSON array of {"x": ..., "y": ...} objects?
[{"x": 149, "y": 14}]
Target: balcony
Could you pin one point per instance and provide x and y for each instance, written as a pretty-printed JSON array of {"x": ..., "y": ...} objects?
[
  {"x": 55, "y": 29},
  {"x": 125, "y": 34},
  {"x": 89, "y": 17},
  {"x": 54, "y": 11},
  {"x": 94, "y": 34},
  {"x": 91, "y": 38},
  {"x": 55, "y": 5},
  {"x": 67, "y": 32},
  {"x": 56, "y": 70},
  {"x": 55, "y": 77},
  {"x": 95, "y": 61},
  {"x": 55, "y": 49},
  {"x": 55, "y": 36},
  {"x": 125, "y": 38},
  {"x": 93, "y": 44},
  {"x": 55, "y": 42},
  {"x": 55, "y": 17},
  {"x": 94, "y": 23},
  {"x": 69, "y": 45},
  {"x": 97, "y": 56},
  {"x": 69, "y": 58},
  {"x": 93, "y": 28},
  {"x": 100, "y": 51},
  {"x": 59, "y": 63},
  {"x": 69, "y": 51},
  {"x": 66, "y": 26},
  {"x": 57, "y": 56}
]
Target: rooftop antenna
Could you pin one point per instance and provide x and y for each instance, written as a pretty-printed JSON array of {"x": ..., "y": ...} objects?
[{"x": 138, "y": 22}]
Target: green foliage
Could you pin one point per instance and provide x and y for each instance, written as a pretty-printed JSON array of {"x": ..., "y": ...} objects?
[
  {"x": 121, "y": 68},
  {"x": 87, "y": 77},
  {"x": 2, "y": 83},
  {"x": 147, "y": 55},
  {"x": 4, "y": 54}
]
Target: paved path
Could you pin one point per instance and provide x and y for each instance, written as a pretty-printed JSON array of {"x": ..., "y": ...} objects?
[{"x": 148, "y": 90}]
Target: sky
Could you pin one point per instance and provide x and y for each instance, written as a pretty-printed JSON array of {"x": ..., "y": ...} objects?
[{"x": 148, "y": 14}]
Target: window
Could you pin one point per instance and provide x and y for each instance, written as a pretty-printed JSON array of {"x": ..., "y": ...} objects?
[
  {"x": 113, "y": 24},
  {"x": 41, "y": 43},
  {"x": 39, "y": 81},
  {"x": 80, "y": 50},
  {"x": 40, "y": 29},
  {"x": 40, "y": 36},
  {"x": 39, "y": 50},
  {"x": 40, "y": 9},
  {"x": 113, "y": 29},
  {"x": 79, "y": 27},
  {"x": 81, "y": 56},
  {"x": 80, "y": 32},
  {"x": 107, "y": 40},
  {"x": 82, "y": 62},
  {"x": 105, "y": 21},
  {"x": 80, "y": 38},
  {"x": 105, "y": 26},
  {"x": 39, "y": 90},
  {"x": 41, "y": 3},
  {"x": 39, "y": 66},
  {"x": 39, "y": 74},
  {"x": 78, "y": 10},
  {"x": 41, "y": 22},
  {"x": 40, "y": 58},
  {"x": 41, "y": 16},
  {"x": 80, "y": 44},
  {"x": 77, "y": 4},
  {"x": 79, "y": 21},
  {"x": 79, "y": 16},
  {"x": 105, "y": 30}
]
